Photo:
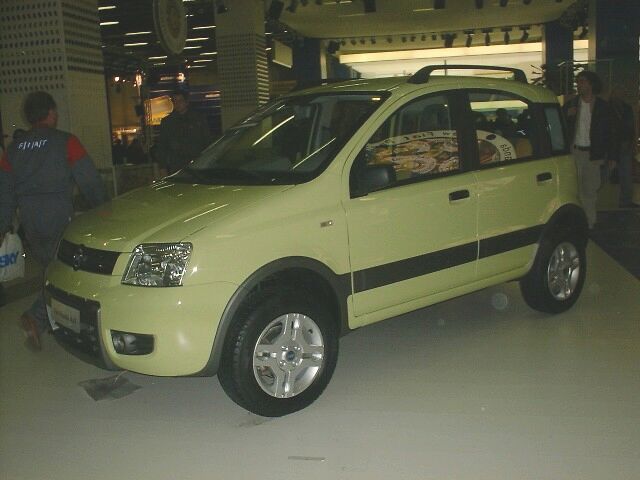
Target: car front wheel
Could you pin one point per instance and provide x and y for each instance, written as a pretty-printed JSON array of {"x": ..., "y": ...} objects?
[{"x": 280, "y": 352}]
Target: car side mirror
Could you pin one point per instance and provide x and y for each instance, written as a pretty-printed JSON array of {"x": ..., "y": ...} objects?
[{"x": 374, "y": 177}]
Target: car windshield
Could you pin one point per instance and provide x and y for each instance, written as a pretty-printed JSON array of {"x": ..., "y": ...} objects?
[{"x": 288, "y": 141}]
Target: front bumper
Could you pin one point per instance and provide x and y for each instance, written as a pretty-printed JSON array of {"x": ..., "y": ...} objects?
[{"x": 182, "y": 320}]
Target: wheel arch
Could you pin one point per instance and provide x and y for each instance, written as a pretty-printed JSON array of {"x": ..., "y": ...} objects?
[
  {"x": 302, "y": 272},
  {"x": 570, "y": 217}
]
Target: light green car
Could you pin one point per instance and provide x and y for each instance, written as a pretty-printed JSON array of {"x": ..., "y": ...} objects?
[{"x": 326, "y": 210}]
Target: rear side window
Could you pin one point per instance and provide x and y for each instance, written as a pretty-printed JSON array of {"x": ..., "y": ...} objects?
[
  {"x": 555, "y": 129},
  {"x": 503, "y": 125}
]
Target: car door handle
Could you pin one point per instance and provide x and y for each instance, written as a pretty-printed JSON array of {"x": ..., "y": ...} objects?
[
  {"x": 544, "y": 177},
  {"x": 458, "y": 195}
]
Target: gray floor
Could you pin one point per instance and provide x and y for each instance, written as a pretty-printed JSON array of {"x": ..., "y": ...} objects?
[{"x": 476, "y": 388}]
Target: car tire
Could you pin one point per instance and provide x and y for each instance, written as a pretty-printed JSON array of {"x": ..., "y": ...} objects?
[
  {"x": 557, "y": 276},
  {"x": 279, "y": 353}
]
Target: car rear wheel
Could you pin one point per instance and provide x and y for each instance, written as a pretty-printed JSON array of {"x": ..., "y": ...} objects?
[
  {"x": 555, "y": 281},
  {"x": 280, "y": 353}
]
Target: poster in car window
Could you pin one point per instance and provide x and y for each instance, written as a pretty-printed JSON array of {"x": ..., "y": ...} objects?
[
  {"x": 494, "y": 148},
  {"x": 417, "y": 153}
]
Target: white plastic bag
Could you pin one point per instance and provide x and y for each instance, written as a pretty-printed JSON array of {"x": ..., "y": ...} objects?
[{"x": 11, "y": 258}]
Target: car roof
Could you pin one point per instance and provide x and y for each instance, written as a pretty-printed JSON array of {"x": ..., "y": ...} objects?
[{"x": 402, "y": 85}]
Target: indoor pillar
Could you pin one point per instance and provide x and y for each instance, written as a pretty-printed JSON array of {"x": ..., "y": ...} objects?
[
  {"x": 557, "y": 56},
  {"x": 242, "y": 59},
  {"x": 614, "y": 27},
  {"x": 55, "y": 46}
]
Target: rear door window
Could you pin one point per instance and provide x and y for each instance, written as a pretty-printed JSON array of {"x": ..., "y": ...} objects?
[{"x": 504, "y": 127}]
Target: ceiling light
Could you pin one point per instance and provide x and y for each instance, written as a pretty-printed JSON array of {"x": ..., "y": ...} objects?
[
  {"x": 448, "y": 39},
  {"x": 487, "y": 37},
  {"x": 197, "y": 39},
  {"x": 333, "y": 47},
  {"x": 204, "y": 27},
  {"x": 221, "y": 7},
  {"x": 583, "y": 33},
  {"x": 507, "y": 35},
  {"x": 137, "y": 33},
  {"x": 275, "y": 10},
  {"x": 369, "y": 6},
  {"x": 108, "y": 23},
  {"x": 107, "y": 7},
  {"x": 209, "y": 53}
]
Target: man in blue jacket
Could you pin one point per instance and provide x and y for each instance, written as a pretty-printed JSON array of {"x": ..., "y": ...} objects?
[{"x": 37, "y": 174}]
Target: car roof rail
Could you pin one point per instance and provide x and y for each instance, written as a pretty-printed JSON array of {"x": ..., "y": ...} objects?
[{"x": 422, "y": 75}]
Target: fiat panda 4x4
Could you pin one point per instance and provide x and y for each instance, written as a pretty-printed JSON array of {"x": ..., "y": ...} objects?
[{"x": 326, "y": 210}]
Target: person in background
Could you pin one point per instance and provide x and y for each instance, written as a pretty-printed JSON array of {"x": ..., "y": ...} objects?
[
  {"x": 183, "y": 135},
  {"x": 589, "y": 122},
  {"x": 624, "y": 146},
  {"x": 37, "y": 173},
  {"x": 118, "y": 152},
  {"x": 135, "y": 153}
]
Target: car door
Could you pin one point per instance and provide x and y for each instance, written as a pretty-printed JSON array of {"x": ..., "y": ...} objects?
[
  {"x": 517, "y": 185},
  {"x": 415, "y": 235}
]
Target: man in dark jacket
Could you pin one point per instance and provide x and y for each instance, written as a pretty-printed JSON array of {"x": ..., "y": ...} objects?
[
  {"x": 589, "y": 121},
  {"x": 37, "y": 173},
  {"x": 183, "y": 135},
  {"x": 624, "y": 147}
]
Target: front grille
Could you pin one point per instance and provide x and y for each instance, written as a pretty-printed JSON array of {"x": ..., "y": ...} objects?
[
  {"x": 86, "y": 342},
  {"x": 87, "y": 259}
]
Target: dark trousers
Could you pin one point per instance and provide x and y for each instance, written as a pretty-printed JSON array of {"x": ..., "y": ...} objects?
[{"x": 43, "y": 250}]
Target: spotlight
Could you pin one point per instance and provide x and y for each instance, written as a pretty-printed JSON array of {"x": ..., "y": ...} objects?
[
  {"x": 353, "y": 41},
  {"x": 369, "y": 6},
  {"x": 333, "y": 47},
  {"x": 438, "y": 4},
  {"x": 448, "y": 39},
  {"x": 221, "y": 8},
  {"x": 434, "y": 37},
  {"x": 362, "y": 41},
  {"x": 503, "y": 3},
  {"x": 479, "y": 3},
  {"x": 413, "y": 38},
  {"x": 275, "y": 10},
  {"x": 487, "y": 37},
  {"x": 583, "y": 33},
  {"x": 293, "y": 5},
  {"x": 423, "y": 37},
  {"x": 507, "y": 36},
  {"x": 469, "y": 39}
]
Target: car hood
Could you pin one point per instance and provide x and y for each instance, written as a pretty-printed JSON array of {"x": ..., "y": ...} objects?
[{"x": 163, "y": 212}]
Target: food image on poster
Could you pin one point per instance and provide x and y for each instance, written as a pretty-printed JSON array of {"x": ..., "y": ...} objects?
[
  {"x": 494, "y": 148},
  {"x": 418, "y": 153}
]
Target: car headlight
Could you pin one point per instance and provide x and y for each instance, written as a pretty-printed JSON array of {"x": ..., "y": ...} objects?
[{"x": 157, "y": 264}]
